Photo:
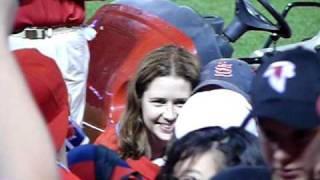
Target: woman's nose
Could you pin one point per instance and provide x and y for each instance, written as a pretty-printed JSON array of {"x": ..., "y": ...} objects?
[{"x": 170, "y": 113}]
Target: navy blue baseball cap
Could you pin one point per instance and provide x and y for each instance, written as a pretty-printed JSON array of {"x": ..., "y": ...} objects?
[
  {"x": 232, "y": 74},
  {"x": 286, "y": 88}
]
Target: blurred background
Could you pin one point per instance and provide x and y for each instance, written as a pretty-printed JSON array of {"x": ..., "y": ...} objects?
[{"x": 304, "y": 22}]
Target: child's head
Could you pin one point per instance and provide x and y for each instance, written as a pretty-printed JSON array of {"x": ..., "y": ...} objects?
[{"x": 204, "y": 152}]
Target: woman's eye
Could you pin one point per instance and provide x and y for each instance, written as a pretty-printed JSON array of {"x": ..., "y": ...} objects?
[
  {"x": 158, "y": 102},
  {"x": 180, "y": 103}
]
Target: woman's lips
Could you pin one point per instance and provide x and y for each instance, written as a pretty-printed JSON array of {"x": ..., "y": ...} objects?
[{"x": 166, "y": 128}]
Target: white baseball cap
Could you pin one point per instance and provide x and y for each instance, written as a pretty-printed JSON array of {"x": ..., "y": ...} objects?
[{"x": 220, "y": 107}]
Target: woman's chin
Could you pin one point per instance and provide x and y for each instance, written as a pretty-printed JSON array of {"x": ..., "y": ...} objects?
[{"x": 164, "y": 137}]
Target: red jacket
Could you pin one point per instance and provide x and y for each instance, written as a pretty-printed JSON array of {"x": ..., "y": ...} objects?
[
  {"x": 109, "y": 138},
  {"x": 49, "y": 13},
  {"x": 145, "y": 167},
  {"x": 65, "y": 174}
]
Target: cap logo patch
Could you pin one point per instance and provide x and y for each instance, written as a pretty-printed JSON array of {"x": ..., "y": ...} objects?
[
  {"x": 223, "y": 69},
  {"x": 278, "y": 73}
]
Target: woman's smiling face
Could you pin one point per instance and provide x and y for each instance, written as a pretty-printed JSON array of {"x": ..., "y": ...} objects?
[{"x": 161, "y": 103}]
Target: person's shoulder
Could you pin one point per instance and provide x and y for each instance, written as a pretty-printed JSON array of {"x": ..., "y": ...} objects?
[
  {"x": 109, "y": 138},
  {"x": 66, "y": 174},
  {"x": 145, "y": 167}
]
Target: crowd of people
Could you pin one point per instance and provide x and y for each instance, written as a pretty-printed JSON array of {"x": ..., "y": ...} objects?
[{"x": 224, "y": 121}]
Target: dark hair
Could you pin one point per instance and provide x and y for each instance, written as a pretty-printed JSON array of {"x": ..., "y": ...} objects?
[
  {"x": 239, "y": 147},
  {"x": 192, "y": 144},
  {"x": 251, "y": 155}
]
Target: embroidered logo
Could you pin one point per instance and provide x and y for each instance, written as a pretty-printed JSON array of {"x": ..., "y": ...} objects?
[
  {"x": 223, "y": 69},
  {"x": 278, "y": 73}
]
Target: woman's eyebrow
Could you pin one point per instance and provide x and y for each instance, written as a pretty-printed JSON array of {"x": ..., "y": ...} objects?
[{"x": 157, "y": 98}]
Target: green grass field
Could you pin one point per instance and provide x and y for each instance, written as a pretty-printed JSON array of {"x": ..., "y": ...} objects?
[{"x": 304, "y": 22}]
